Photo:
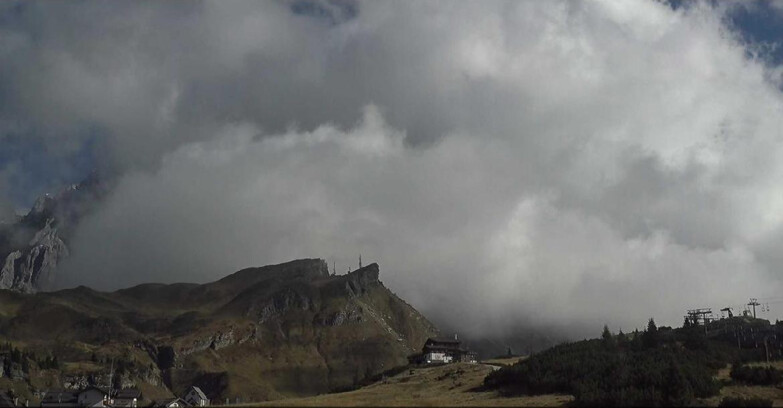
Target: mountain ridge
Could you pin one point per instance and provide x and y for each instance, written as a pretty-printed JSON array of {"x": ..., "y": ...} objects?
[{"x": 290, "y": 329}]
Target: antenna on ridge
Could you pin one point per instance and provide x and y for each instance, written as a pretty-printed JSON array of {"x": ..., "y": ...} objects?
[{"x": 360, "y": 261}]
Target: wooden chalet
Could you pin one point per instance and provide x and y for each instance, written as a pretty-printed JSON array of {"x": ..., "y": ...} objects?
[{"x": 443, "y": 350}]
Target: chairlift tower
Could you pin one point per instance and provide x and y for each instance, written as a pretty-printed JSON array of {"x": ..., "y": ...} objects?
[{"x": 753, "y": 303}]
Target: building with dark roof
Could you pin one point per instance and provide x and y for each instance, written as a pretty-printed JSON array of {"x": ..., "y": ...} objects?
[
  {"x": 128, "y": 397},
  {"x": 195, "y": 397},
  {"x": 93, "y": 396},
  {"x": 59, "y": 398},
  {"x": 443, "y": 350}
]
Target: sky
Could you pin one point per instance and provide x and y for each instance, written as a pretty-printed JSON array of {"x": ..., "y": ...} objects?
[{"x": 508, "y": 164}]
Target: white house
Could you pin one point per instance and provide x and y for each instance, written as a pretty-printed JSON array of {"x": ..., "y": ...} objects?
[
  {"x": 93, "y": 397},
  {"x": 443, "y": 350},
  {"x": 195, "y": 397},
  {"x": 171, "y": 403},
  {"x": 437, "y": 357},
  {"x": 128, "y": 397}
]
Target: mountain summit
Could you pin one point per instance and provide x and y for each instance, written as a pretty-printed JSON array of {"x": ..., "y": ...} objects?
[
  {"x": 258, "y": 334},
  {"x": 33, "y": 245}
]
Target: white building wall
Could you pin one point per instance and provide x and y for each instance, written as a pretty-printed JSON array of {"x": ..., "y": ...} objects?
[{"x": 437, "y": 358}]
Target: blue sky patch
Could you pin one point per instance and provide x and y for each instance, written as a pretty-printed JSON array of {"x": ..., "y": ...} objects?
[{"x": 331, "y": 11}]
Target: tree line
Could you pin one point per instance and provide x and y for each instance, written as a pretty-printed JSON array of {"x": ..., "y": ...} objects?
[{"x": 658, "y": 366}]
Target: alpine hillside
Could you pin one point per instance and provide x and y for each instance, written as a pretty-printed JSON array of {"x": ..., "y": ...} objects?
[{"x": 259, "y": 334}]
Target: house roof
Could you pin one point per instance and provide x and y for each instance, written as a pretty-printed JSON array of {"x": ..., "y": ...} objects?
[
  {"x": 445, "y": 340},
  {"x": 128, "y": 393},
  {"x": 198, "y": 392},
  {"x": 60, "y": 396},
  {"x": 105, "y": 391}
]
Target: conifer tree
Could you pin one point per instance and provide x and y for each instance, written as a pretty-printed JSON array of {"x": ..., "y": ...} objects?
[{"x": 650, "y": 338}]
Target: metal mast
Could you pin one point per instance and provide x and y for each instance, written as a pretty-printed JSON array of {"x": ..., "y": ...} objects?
[{"x": 753, "y": 303}]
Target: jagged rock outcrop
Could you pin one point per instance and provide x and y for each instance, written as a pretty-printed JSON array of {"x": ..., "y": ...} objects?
[
  {"x": 362, "y": 280},
  {"x": 32, "y": 247},
  {"x": 32, "y": 269},
  {"x": 8, "y": 273},
  {"x": 76, "y": 382},
  {"x": 351, "y": 313},
  {"x": 281, "y": 303}
]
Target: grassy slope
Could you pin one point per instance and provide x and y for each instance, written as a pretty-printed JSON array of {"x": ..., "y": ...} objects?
[
  {"x": 504, "y": 362},
  {"x": 774, "y": 393},
  {"x": 448, "y": 385},
  {"x": 297, "y": 358}
]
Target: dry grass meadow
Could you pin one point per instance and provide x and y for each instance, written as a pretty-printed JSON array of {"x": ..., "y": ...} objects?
[
  {"x": 773, "y": 393},
  {"x": 458, "y": 385},
  {"x": 449, "y": 385}
]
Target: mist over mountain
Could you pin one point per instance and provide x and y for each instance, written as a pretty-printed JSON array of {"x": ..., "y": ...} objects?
[
  {"x": 550, "y": 166},
  {"x": 33, "y": 246}
]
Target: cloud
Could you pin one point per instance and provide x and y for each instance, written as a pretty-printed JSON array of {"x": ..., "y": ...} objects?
[
  {"x": 533, "y": 163},
  {"x": 7, "y": 210}
]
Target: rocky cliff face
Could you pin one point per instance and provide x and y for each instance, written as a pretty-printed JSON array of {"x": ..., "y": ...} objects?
[
  {"x": 33, "y": 245},
  {"x": 32, "y": 268}
]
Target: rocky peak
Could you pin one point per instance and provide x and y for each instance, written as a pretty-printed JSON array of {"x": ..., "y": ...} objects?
[
  {"x": 33, "y": 246},
  {"x": 32, "y": 269},
  {"x": 42, "y": 204},
  {"x": 367, "y": 275},
  {"x": 362, "y": 280}
]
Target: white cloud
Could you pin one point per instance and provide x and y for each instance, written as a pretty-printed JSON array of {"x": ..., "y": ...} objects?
[
  {"x": 563, "y": 264},
  {"x": 537, "y": 161}
]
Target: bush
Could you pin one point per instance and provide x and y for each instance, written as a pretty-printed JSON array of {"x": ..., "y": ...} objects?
[
  {"x": 745, "y": 402},
  {"x": 645, "y": 370},
  {"x": 756, "y": 375},
  {"x": 597, "y": 376}
]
